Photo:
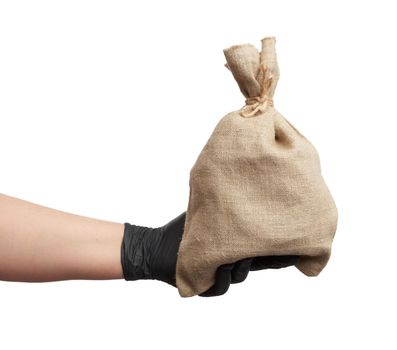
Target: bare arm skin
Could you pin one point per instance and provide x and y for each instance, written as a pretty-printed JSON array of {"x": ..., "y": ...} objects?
[{"x": 39, "y": 244}]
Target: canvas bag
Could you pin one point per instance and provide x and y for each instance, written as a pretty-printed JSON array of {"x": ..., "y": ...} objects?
[{"x": 256, "y": 188}]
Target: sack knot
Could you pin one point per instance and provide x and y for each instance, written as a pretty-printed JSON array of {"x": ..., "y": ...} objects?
[{"x": 256, "y": 104}]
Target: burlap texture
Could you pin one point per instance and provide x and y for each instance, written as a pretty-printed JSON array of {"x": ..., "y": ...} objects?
[{"x": 256, "y": 188}]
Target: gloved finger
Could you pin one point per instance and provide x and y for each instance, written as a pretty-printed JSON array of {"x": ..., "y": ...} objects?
[
  {"x": 241, "y": 269},
  {"x": 273, "y": 262},
  {"x": 222, "y": 281}
]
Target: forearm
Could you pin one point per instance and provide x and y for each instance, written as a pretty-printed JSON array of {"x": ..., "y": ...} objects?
[{"x": 42, "y": 244}]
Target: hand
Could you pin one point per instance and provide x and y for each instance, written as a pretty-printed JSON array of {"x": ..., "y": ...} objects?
[
  {"x": 151, "y": 253},
  {"x": 237, "y": 272}
]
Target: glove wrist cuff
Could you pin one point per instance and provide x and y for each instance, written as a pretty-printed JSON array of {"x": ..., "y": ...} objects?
[{"x": 135, "y": 252}]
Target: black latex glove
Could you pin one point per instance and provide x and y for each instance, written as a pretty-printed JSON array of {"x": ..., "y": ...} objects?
[
  {"x": 151, "y": 253},
  {"x": 237, "y": 272}
]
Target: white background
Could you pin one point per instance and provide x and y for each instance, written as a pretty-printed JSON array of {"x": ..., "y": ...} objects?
[{"x": 105, "y": 106}]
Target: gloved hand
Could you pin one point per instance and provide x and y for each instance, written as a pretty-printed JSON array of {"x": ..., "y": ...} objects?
[
  {"x": 151, "y": 253},
  {"x": 237, "y": 272}
]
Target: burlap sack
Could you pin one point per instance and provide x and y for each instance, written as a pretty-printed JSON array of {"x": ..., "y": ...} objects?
[{"x": 256, "y": 188}]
